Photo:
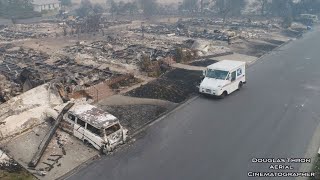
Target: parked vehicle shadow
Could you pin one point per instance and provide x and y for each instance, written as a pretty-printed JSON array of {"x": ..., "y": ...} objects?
[{"x": 216, "y": 98}]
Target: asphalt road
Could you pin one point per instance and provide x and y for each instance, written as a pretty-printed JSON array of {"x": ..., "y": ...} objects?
[{"x": 274, "y": 116}]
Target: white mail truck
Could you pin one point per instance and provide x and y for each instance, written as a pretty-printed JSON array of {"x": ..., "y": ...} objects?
[{"x": 223, "y": 78}]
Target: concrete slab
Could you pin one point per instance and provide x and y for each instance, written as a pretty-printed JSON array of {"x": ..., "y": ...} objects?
[
  {"x": 237, "y": 57},
  {"x": 27, "y": 110},
  {"x": 118, "y": 100},
  {"x": 23, "y": 147},
  {"x": 188, "y": 67}
]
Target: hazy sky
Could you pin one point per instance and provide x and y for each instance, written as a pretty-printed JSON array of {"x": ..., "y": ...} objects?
[
  {"x": 160, "y": 1},
  {"x": 104, "y": 1}
]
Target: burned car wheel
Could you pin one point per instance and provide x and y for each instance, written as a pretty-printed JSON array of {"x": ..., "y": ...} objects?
[
  {"x": 88, "y": 144},
  {"x": 240, "y": 85},
  {"x": 106, "y": 149}
]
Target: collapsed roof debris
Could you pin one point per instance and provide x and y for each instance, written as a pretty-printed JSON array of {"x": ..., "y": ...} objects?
[
  {"x": 26, "y": 31},
  {"x": 174, "y": 29},
  {"x": 27, "y": 68},
  {"x": 107, "y": 51}
]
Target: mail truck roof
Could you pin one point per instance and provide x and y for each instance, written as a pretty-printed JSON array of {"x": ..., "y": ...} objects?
[{"x": 227, "y": 65}]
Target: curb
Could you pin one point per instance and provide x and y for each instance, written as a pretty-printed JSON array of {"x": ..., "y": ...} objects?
[{"x": 76, "y": 169}]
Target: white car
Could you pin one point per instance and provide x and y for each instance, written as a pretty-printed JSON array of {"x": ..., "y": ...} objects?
[{"x": 223, "y": 78}]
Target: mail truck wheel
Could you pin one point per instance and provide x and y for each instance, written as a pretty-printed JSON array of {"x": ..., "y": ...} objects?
[
  {"x": 240, "y": 85},
  {"x": 223, "y": 95}
]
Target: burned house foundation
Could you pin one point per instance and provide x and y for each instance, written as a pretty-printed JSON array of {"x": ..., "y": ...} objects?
[{"x": 22, "y": 70}]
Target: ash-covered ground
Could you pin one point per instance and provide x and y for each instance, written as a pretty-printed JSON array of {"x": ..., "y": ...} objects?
[
  {"x": 134, "y": 117},
  {"x": 175, "y": 86}
]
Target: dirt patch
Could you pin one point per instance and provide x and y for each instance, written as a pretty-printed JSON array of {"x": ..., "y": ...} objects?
[
  {"x": 134, "y": 117},
  {"x": 203, "y": 63},
  {"x": 175, "y": 86}
]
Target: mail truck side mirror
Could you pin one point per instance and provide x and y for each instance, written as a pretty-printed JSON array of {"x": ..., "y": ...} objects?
[{"x": 204, "y": 72}]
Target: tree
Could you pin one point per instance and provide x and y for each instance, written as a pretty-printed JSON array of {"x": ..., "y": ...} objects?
[
  {"x": 133, "y": 7},
  {"x": 190, "y": 5},
  {"x": 91, "y": 15},
  {"x": 282, "y": 8},
  {"x": 85, "y": 8},
  {"x": 287, "y": 21},
  {"x": 179, "y": 55},
  {"x": 263, "y": 5},
  {"x": 98, "y": 9},
  {"x": 113, "y": 7},
  {"x": 128, "y": 8},
  {"x": 149, "y": 7},
  {"x": 121, "y": 7},
  {"x": 308, "y": 6},
  {"x": 65, "y": 2},
  {"x": 232, "y": 7},
  {"x": 16, "y": 8},
  {"x": 2, "y": 7}
]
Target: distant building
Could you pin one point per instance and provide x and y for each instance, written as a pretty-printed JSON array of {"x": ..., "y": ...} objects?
[{"x": 45, "y": 5}]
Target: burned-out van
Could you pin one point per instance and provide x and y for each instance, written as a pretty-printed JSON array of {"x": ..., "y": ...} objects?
[{"x": 94, "y": 127}]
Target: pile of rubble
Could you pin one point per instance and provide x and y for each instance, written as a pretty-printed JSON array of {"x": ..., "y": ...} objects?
[
  {"x": 252, "y": 34},
  {"x": 103, "y": 22},
  {"x": 180, "y": 30},
  {"x": 27, "y": 31},
  {"x": 9, "y": 35},
  {"x": 8, "y": 89},
  {"x": 237, "y": 24},
  {"x": 25, "y": 69},
  {"x": 8, "y": 164},
  {"x": 212, "y": 29},
  {"x": 203, "y": 49},
  {"x": 106, "y": 23},
  {"x": 106, "y": 51}
]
